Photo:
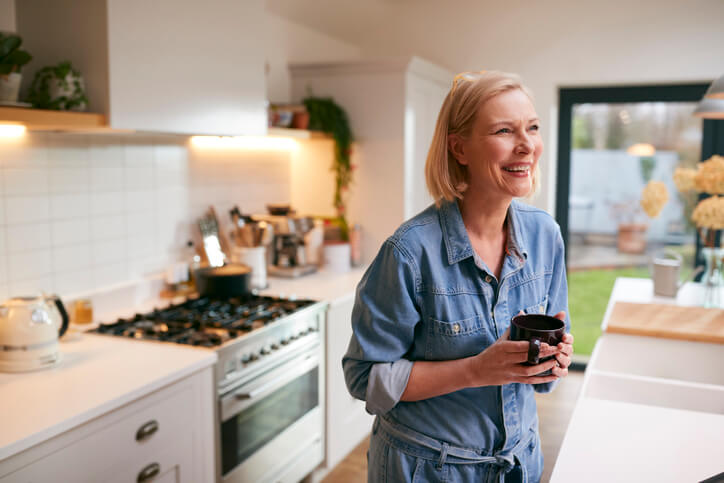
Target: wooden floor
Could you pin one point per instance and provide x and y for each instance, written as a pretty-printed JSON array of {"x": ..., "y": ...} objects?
[{"x": 554, "y": 412}]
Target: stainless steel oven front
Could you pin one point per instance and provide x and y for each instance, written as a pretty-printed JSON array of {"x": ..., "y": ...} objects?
[{"x": 271, "y": 424}]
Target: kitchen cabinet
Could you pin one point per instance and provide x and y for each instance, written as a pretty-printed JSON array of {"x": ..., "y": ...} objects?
[
  {"x": 172, "y": 66},
  {"x": 348, "y": 423},
  {"x": 392, "y": 107},
  {"x": 161, "y": 435}
]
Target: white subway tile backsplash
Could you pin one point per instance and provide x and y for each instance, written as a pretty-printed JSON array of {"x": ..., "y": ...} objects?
[
  {"x": 3, "y": 269},
  {"x": 72, "y": 282},
  {"x": 68, "y": 151},
  {"x": 109, "y": 251},
  {"x": 25, "y": 181},
  {"x": 108, "y": 227},
  {"x": 25, "y": 238},
  {"x": 70, "y": 206},
  {"x": 140, "y": 201},
  {"x": 141, "y": 224},
  {"x": 110, "y": 274},
  {"x": 26, "y": 209},
  {"x": 31, "y": 287},
  {"x": 110, "y": 203},
  {"x": 68, "y": 232},
  {"x": 69, "y": 180},
  {"x": 139, "y": 178},
  {"x": 72, "y": 257},
  {"x": 26, "y": 152},
  {"x": 78, "y": 212},
  {"x": 29, "y": 265},
  {"x": 107, "y": 178}
]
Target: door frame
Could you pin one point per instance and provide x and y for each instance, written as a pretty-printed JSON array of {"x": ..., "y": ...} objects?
[{"x": 712, "y": 130}]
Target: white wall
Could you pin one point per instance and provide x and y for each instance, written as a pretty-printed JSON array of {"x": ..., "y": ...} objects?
[
  {"x": 551, "y": 44},
  {"x": 287, "y": 42},
  {"x": 7, "y": 15}
]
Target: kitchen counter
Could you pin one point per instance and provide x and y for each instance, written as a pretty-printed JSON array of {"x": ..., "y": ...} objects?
[
  {"x": 97, "y": 374},
  {"x": 650, "y": 408},
  {"x": 324, "y": 285}
]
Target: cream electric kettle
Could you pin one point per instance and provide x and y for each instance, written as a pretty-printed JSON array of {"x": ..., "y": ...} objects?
[{"x": 29, "y": 332}]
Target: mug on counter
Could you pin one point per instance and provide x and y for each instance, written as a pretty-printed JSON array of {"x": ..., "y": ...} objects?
[
  {"x": 254, "y": 258},
  {"x": 536, "y": 329}
]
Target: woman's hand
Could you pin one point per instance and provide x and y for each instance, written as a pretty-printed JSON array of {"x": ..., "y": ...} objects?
[
  {"x": 501, "y": 363},
  {"x": 565, "y": 350}
]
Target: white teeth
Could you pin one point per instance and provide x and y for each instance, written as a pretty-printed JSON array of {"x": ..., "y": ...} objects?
[{"x": 518, "y": 169}]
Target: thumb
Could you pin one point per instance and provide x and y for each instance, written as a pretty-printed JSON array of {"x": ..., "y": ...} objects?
[
  {"x": 560, "y": 315},
  {"x": 506, "y": 334}
]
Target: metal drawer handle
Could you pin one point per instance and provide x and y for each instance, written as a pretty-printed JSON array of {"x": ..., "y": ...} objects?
[
  {"x": 148, "y": 472},
  {"x": 146, "y": 430}
]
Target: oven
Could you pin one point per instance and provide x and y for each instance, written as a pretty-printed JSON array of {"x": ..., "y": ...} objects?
[{"x": 271, "y": 423}]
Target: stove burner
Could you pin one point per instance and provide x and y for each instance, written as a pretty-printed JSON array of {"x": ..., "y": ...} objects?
[{"x": 204, "y": 321}]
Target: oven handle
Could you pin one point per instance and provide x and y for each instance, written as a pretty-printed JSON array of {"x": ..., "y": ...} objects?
[{"x": 288, "y": 372}]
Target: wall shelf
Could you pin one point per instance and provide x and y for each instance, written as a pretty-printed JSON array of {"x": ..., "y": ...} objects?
[{"x": 46, "y": 120}]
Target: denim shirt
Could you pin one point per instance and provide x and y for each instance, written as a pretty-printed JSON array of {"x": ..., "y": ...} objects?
[{"x": 428, "y": 296}]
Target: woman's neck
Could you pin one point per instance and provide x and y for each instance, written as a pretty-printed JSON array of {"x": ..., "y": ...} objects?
[{"x": 484, "y": 217}]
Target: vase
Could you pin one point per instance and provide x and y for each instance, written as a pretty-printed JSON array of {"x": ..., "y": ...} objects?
[{"x": 713, "y": 279}]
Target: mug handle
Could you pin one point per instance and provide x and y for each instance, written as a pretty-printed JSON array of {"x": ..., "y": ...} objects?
[{"x": 534, "y": 350}]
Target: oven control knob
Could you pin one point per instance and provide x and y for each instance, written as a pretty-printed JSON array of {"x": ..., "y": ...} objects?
[
  {"x": 265, "y": 350},
  {"x": 253, "y": 357},
  {"x": 275, "y": 346},
  {"x": 245, "y": 358},
  {"x": 285, "y": 341}
]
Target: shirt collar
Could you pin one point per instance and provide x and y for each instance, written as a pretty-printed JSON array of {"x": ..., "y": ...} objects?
[{"x": 455, "y": 237}]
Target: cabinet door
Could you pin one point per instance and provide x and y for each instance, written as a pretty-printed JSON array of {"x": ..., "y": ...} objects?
[
  {"x": 348, "y": 423},
  {"x": 184, "y": 66}
]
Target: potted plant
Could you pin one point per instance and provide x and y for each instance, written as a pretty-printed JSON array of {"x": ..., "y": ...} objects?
[
  {"x": 327, "y": 116},
  {"x": 12, "y": 58},
  {"x": 58, "y": 87}
]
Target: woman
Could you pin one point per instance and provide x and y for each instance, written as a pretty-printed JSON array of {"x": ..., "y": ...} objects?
[{"x": 430, "y": 353}]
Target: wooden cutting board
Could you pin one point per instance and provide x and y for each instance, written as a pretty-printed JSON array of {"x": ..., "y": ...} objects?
[{"x": 668, "y": 321}]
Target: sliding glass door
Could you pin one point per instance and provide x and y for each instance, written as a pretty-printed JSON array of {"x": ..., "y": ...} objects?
[{"x": 612, "y": 142}]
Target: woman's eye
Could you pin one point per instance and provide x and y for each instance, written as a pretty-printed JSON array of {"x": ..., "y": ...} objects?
[
  {"x": 505, "y": 130},
  {"x": 534, "y": 127}
]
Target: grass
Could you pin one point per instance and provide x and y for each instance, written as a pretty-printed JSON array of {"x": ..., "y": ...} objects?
[{"x": 588, "y": 294}]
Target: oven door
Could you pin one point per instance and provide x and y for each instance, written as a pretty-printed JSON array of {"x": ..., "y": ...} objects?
[{"x": 271, "y": 426}]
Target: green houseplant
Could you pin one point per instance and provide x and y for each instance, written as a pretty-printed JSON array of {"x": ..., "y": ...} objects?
[
  {"x": 12, "y": 59},
  {"x": 58, "y": 87},
  {"x": 327, "y": 116}
]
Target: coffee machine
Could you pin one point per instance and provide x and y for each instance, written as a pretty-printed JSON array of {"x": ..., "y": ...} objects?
[{"x": 286, "y": 256}]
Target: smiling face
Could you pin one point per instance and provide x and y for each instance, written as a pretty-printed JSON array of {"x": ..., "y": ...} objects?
[{"x": 502, "y": 150}]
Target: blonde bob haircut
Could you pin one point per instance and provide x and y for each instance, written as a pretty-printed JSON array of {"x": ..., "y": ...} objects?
[{"x": 446, "y": 178}]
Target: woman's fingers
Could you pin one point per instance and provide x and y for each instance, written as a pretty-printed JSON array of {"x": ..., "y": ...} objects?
[
  {"x": 559, "y": 371},
  {"x": 560, "y": 315},
  {"x": 563, "y": 360}
]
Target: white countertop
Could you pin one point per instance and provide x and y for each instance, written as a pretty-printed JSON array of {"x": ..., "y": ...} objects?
[
  {"x": 96, "y": 374},
  {"x": 322, "y": 285},
  {"x": 633, "y": 420},
  {"x": 615, "y": 441}
]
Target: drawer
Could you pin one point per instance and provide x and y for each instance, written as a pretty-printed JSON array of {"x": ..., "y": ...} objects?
[{"x": 114, "y": 450}]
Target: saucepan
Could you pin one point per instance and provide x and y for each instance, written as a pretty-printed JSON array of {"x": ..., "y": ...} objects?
[{"x": 232, "y": 280}]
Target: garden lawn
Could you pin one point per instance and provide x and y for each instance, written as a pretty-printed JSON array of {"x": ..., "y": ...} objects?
[{"x": 588, "y": 294}]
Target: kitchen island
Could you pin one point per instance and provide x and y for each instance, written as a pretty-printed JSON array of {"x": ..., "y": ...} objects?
[{"x": 651, "y": 408}]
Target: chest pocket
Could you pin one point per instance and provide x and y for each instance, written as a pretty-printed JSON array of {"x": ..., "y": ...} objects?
[
  {"x": 540, "y": 308},
  {"x": 458, "y": 338}
]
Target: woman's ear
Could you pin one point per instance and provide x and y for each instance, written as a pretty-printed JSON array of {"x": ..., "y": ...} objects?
[{"x": 456, "y": 146}]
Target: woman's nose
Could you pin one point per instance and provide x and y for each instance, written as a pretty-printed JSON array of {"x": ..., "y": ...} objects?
[{"x": 525, "y": 144}]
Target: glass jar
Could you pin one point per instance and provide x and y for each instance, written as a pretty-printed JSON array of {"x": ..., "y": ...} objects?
[{"x": 713, "y": 279}]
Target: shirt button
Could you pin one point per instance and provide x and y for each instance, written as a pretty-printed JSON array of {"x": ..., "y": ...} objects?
[
  {"x": 488, "y": 278},
  {"x": 456, "y": 328},
  {"x": 541, "y": 309}
]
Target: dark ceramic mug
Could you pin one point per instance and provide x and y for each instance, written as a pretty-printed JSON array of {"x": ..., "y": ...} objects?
[{"x": 537, "y": 328}]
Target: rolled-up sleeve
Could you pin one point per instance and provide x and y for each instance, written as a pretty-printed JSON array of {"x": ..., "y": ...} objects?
[
  {"x": 557, "y": 296},
  {"x": 383, "y": 329}
]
